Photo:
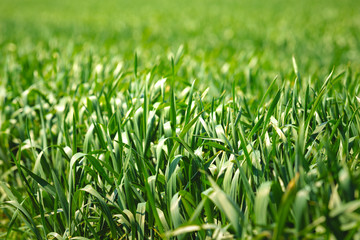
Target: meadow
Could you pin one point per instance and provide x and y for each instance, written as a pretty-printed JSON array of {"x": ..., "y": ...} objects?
[{"x": 184, "y": 119}]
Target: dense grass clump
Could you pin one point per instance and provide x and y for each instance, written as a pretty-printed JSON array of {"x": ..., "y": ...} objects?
[{"x": 191, "y": 120}]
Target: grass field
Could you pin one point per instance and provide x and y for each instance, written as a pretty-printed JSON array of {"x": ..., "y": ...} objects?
[{"x": 179, "y": 119}]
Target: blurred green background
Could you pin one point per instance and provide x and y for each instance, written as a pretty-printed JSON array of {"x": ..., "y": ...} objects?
[{"x": 320, "y": 34}]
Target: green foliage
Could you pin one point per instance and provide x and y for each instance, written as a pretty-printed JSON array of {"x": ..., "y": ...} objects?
[{"x": 188, "y": 120}]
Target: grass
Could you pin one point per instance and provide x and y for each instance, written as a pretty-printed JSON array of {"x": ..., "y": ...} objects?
[{"x": 188, "y": 120}]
